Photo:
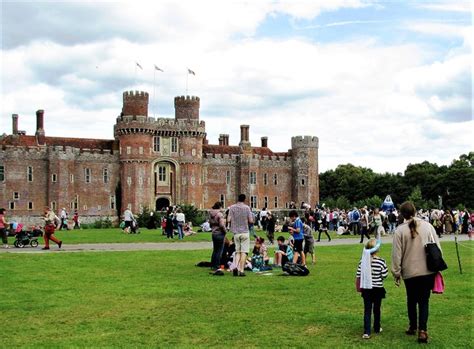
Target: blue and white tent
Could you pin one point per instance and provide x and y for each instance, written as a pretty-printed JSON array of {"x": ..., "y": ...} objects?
[{"x": 387, "y": 204}]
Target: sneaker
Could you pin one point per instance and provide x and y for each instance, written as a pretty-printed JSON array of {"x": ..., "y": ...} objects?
[
  {"x": 380, "y": 330},
  {"x": 218, "y": 272},
  {"x": 235, "y": 272},
  {"x": 60, "y": 243},
  {"x": 242, "y": 274},
  {"x": 366, "y": 336},
  {"x": 6, "y": 246},
  {"x": 422, "y": 337},
  {"x": 45, "y": 248}
]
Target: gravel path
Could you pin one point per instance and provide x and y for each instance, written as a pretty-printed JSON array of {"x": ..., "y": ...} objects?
[{"x": 173, "y": 246}]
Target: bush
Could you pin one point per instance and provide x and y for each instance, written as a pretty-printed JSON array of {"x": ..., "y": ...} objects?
[{"x": 101, "y": 223}]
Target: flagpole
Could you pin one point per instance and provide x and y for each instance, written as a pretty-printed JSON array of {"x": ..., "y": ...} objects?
[
  {"x": 187, "y": 76},
  {"x": 135, "y": 75},
  {"x": 154, "y": 93}
]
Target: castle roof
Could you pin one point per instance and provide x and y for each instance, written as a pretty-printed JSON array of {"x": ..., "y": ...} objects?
[
  {"x": 235, "y": 149},
  {"x": 83, "y": 143}
]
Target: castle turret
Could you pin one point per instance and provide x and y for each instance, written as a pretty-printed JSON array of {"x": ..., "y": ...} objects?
[
  {"x": 186, "y": 107},
  {"x": 135, "y": 103},
  {"x": 305, "y": 178}
]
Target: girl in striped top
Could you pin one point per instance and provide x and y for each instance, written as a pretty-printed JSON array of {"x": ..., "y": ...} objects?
[{"x": 372, "y": 270}]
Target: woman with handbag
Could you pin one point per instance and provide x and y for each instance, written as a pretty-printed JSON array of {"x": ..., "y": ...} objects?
[{"x": 409, "y": 262}]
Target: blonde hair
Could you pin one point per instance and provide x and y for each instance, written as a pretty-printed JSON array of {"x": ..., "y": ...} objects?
[{"x": 371, "y": 244}]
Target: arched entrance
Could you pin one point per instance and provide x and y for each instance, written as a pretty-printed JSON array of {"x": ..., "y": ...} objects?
[{"x": 162, "y": 203}]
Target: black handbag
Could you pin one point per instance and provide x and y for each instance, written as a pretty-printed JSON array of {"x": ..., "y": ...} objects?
[{"x": 434, "y": 257}]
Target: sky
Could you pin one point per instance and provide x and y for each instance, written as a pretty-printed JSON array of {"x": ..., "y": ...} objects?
[{"x": 381, "y": 83}]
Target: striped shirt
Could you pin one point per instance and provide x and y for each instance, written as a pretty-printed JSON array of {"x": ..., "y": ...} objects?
[
  {"x": 240, "y": 216},
  {"x": 379, "y": 271}
]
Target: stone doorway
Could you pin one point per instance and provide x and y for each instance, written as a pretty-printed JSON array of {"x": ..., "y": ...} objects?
[{"x": 162, "y": 203}]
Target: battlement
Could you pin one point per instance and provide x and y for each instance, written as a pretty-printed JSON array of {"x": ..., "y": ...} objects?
[
  {"x": 135, "y": 103},
  {"x": 186, "y": 107},
  {"x": 304, "y": 142},
  {"x": 186, "y": 101}
]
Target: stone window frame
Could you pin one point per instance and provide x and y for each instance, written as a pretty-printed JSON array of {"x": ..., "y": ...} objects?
[
  {"x": 265, "y": 201},
  {"x": 156, "y": 144},
  {"x": 11, "y": 205},
  {"x": 76, "y": 203},
  {"x": 162, "y": 173},
  {"x": 105, "y": 175},
  {"x": 140, "y": 150},
  {"x": 129, "y": 150},
  {"x": 228, "y": 177},
  {"x": 71, "y": 178},
  {"x": 253, "y": 201},
  {"x": 222, "y": 199},
  {"x": 276, "y": 202},
  {"x": 2, "y": 173},
  {"x": 31, "y": 205},
  {"x": 52, "y": 206},
  {"x": 275, "y": 179},
  {"x": 87, "y": 175},
  {"x": 54, "y": 177},
  {"x": 112, "y": 202},
  {"x": 265, "y": 178},
  {"x": 29, "y": 173},
  {"x": 16, "y": 195},
  {"x": 252, "y": 177},
  {"x": 174, "y": 144}
]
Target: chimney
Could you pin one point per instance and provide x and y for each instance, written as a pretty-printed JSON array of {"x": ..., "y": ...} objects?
[
  {"x": 40, "y": 135},
  {"x": 264, "y": 142},
  {"x": 244, "y": 133},
  {"x": 221, "y": 140},
  {"x": 15, "y": 124},
  {"x": 225, "y": 139}
]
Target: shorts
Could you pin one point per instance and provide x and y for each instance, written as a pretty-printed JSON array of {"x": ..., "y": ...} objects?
[
  {"x": 298, "y": 245},
  {"x": 242, "y": 242},
  {"x": 308, "y": 246}
]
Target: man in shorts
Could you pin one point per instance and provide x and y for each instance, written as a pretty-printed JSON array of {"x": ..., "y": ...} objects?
[
  {"x": 297, "y": 230},
  {"x": 239, "y": 218}
]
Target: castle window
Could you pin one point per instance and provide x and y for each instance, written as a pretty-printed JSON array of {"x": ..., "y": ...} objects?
[
  {"x": 193, "y": 152},
  {"x": 2, "y": 173},
  {"x": 76, "y": 202},
  {"x": 265, "y": 178},
  {"x": 112, "y": 202},
  {"x": 105, "y": 174},
  {"x": 302, "y": 181},
  {"x": 156, "y": 144},
  {"x": 253, "y": 178},
  {"x": 253, "y": 201},
  {"x": 129, "y": 181},
  {"x": 140, "y": 150},
  {"x": 54, "y": 178},
  {"x": 181, "y": 152},
  {"x": 276, "y": 201},
  {"x": 99, "y": 207},
  {"x": 53, "y": 206},
  {"x": 162, "y": 173},
  {"x": 140, "y": 181},
  {"x": 87, "y": 175},
  {"x": 275, "y": 179},
  {"x": 227, "y": 177},
  {"x": 193, "y": 181},
  {"x": 174, "y": 145},
  {"x": 16, "y": 195},
  {"x": 29, "y": 173},
  {"x": 30, "y": 205},
  {"x": 84, "y": 207},
  {"x": 222, "y": 200},
  {"x": 11, "y": 205},
  {"x": 265, "y": 201},
  {"x": 129, "y": 150},
  {"x": 71, "y": 178}
]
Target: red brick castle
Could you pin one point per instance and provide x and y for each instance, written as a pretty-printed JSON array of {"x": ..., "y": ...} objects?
[{"x": 151, "y": 162}]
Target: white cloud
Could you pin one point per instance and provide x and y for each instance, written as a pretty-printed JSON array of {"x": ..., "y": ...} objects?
[{"x": 448, "y": 6}]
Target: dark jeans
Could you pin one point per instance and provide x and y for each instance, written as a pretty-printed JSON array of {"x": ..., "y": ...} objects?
[
  {"x": 325, "y": 232},
  {"x": 3, "y": 232},
  {"x": 217, "y": 249},
  {"x": 355, "y": 228},
  {"x": 364, "y": 232},
  {"x": 372, "y": 304},
  {"x": 418, "y": 293}
]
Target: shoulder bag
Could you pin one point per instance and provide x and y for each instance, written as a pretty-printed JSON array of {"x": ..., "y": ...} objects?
[{"x": 434, "y": 257}]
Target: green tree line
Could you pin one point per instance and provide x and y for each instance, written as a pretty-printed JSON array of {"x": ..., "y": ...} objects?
[{"x": 423, "y": 183}]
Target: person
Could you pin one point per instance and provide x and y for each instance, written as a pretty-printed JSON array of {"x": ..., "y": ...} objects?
[
  {"x": 169, "y": 226},
  {"x": 281, "y": 252},
  {"x": 239, "y": 219},
  {"x": 448, "y": 222},
  {"x": 323, "y": 228},
  {"x": 180, "y": 220},
  {"x": 217, "y": 225},
  {"x": 75, "y": 219},
  {"x": 372, "y": 270},
  {"x": 409, "y": 263},
  {"x": 392, "y": 221},
  {"x": 297, "y": 231},
  {"x": 206, "y": 227},
  {"x": 270, "y": 227},
  {"x": 63, "y": 217},
  {"x": 308, "y": 241},
  {"x": 188, "y": 229},
  {"x": 49, "y": 228},
  {"x": 128, "y": 219},
  {"x": 354, "y": 217},
  {"x": 364, "y": 225},
  {"x": 263, "y": 218},
  {"x": 377, "y": 222},
  {"x": 3, "y": 228}
]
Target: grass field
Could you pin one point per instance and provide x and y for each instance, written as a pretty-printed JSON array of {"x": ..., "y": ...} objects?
[
  {"x": 115, "y": 235},
  {"x": 159, "y": 299}
]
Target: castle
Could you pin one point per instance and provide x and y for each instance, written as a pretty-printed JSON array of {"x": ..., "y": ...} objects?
[{"x": 151, "y": 162}]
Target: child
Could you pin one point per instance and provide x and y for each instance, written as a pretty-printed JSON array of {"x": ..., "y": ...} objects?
[
  {"x": 308, "y": 241},
  {"x": 372, "y": 270}
]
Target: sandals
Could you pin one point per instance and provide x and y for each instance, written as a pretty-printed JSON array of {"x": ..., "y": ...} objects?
[{"x": 422, "y": 337}]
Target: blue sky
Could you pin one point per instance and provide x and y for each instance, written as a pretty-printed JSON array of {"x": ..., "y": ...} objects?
[{"x": 381, "y": 83}]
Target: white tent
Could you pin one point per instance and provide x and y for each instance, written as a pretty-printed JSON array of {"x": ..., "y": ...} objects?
[{"x": 387, "y": 204}]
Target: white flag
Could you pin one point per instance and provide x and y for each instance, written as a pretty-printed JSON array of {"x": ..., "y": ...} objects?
[
  {"x": 191, "y": 72},
  {"x": 157, "y": 68},
  {"x": 139, "y": 66}
]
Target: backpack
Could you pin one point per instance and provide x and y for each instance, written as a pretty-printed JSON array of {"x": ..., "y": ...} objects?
[
  {"x": 294, "y": 269},
  {"x": 355, "y": 216}
]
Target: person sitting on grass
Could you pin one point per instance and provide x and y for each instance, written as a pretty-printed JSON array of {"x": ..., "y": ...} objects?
[
  {"x": 371, "y": 271},
  {"x": 282, "y": 252},
  {"x": 188, "y": 229},
  {"x": 263, "y": 250}
]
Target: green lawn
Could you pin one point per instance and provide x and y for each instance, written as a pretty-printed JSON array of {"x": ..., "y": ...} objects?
[
  {"x": 115, "y": 235},
  {"x": 159, "y": 299}
]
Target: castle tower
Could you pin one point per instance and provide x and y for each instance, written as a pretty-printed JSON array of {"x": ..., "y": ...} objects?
[
  {"x": 305, "y": 173},
  {"x": 135, "y": 103},
  {"x": 186, "y": 107}
]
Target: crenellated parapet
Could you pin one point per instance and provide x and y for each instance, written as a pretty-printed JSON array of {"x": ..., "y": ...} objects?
[
  {"x": 304, "y": 142},
  {"x": 129, "y": 124},
  {"x": 187, "y": 107},
  {"x": 135, "y": 103}
]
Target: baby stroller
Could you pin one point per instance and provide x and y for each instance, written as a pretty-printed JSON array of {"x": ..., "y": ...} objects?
[{"x": 24, "y": 238}]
